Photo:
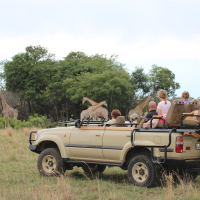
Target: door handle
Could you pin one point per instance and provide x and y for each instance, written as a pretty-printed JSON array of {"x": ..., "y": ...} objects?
[
  {"x": 97, "y": 135},
  {"x": 128, "y": 136}
]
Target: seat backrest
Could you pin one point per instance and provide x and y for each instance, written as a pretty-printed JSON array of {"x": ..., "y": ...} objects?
[
  {"x": 140, "y": 125},
  {"x": 174, "y": 114},
  {"x": 198, "y": 118},
  {"x": 192, "y": 120},
  {"x": 139, "y": 119},
  {"x": 189, "y": 107},
  {"x": 120, "y": 119}
]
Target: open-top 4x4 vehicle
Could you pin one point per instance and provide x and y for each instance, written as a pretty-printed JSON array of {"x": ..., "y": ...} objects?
[{"x": 93, "y": 145}]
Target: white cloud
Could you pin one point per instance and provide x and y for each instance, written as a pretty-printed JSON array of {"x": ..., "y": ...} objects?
[{"x": 165, "y": 47}]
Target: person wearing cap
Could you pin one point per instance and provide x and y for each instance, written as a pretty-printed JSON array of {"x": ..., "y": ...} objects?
[
  {"x": 185, "y": 97},
  {"x": 152, "y": 110}
]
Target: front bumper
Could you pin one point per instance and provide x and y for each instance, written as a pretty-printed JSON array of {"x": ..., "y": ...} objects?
[{"x": 33, "y": 148}]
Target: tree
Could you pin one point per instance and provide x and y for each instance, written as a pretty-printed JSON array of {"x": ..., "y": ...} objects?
[
  {"x": 112, "y": 86},
  {"x": 85, "y": 76},
  {"x": 29, "y": 73},
  {"x": 55, "y": 88},
  {"x": 162, "y": 78},
  {"x": 140, "y": 81}
]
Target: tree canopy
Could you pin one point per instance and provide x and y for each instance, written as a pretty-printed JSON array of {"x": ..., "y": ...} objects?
[
  {"x": 162, "y": 78},
  {"x": 55, "y": 88}
]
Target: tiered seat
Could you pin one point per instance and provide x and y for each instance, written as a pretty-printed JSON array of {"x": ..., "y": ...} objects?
[
  {"x": 176, "y": 111},
  {"x": 141, "y": 121},
  {"x": 192, "y": 120}
]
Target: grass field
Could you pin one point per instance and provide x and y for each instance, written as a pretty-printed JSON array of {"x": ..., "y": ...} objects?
[{"x": 20, "y": 179}]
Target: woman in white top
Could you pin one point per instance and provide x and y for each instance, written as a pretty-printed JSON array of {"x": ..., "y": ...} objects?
[{"x": 164, "y": 105}]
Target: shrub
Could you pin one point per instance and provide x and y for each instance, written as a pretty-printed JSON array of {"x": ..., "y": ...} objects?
[
  {"x": 38, "y": 121},
  {"x": 2, "y": 122},
  {"x": 11, "y": 122},
  {"x": 33, "y": 121}
]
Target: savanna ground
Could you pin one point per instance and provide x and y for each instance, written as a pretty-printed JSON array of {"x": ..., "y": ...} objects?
[{"x": 20, "y": 179}]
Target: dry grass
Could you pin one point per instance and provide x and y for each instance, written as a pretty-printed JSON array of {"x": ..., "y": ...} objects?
[
  {"x": 26, "y": 131},
  {"x": 19, "y": 178},
  {"x": 10, "y": 131}
]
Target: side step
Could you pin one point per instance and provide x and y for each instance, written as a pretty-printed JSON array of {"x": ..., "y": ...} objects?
[{"x": 67, "y": 160}]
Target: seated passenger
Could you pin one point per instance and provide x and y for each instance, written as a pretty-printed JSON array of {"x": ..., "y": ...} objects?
[
  {"x": 185, "y": 97},
  {"x": 164, "y": 105},
  {"x": 114, "y": 114},
  {"x": 197, "y": 104},
  {"x": 152, "y": 110},
  {"x": 134, "y": 117}
]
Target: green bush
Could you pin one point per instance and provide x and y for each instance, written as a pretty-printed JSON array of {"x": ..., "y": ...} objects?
[
  {"x": 2, "y": 125},
  {"x": 36, "y": 121},
  {"x": 2, "y": 122},
  {"x": 11, "y": 122}
]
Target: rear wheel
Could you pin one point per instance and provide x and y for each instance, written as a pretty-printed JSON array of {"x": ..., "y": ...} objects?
[
  {"x": 91, "y": 169},
  {"x": 50, "y": 162},
  {"x": 141, "y": 171}
]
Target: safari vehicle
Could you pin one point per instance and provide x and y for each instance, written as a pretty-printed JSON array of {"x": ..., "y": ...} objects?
[{"x": 144, "y": 153}]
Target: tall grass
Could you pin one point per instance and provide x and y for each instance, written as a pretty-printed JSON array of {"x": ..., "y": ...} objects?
[{"x": 20, "y": 179}]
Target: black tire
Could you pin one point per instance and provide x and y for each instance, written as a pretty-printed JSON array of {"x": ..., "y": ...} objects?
[
  {"x": 141, "y": 171},
  {"x": 50, "y": 163},
  {"x": 92, "y": 169}
]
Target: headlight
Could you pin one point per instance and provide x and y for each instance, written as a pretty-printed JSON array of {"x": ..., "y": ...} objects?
[{"x": 36, "y": 136}]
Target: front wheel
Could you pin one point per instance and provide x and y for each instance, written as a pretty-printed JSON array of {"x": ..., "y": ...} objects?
[
  {"x": 91, "y": 169},
  {"x": 50, "y": 162},
  {"x": 141, "y": 171}
]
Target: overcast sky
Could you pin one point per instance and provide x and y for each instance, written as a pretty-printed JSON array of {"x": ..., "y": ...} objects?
[{"x": 141, "y": 33}]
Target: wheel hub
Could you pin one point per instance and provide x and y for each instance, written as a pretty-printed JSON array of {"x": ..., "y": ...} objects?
[
  {"x": 49, "y": 164},
  {"x": 140, "y": 172}
]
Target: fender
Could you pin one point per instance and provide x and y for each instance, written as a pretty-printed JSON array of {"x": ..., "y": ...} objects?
[
  {"x": 129, "y": 146},
  {"x": 55, "y": 139}
]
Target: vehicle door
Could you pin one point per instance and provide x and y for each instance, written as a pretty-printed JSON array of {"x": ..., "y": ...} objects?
[
  {"x": 114, "y": 140},
  {"x": 86, "y": 142}
]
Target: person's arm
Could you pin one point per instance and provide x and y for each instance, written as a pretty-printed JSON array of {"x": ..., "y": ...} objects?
[
  {"x": 159, "y": 111},
  {"x": 159, "y": 108}
]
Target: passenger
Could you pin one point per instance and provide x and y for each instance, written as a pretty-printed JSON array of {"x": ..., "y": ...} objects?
[
  {"x": 114, "y": 114},
  {"x": 185, "y": 97},
  {"x": 197, "y": 104},
  {"x": 164, "y": 105},
  {"x": 152, "y": 110},
  {"x": 195, "y": 101},
  {"x": 134, "y": 117}
]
